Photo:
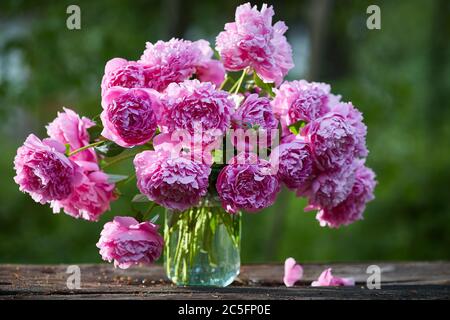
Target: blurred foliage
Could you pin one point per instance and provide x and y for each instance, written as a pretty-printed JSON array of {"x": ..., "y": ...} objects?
[{"x": 397, "y": 76}]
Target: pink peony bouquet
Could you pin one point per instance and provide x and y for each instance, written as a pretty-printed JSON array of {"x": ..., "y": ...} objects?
[{"x": 196, "y": 126}]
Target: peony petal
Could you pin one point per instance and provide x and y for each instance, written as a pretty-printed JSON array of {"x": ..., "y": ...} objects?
[
  {"x": 326, "y": 279},
  {"x": 293, "y": 272}
]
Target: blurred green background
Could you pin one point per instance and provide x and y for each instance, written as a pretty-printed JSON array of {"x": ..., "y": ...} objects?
[{"x": 399, "y": 77}]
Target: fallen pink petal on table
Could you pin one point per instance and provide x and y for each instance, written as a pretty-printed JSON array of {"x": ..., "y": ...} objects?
[
  {"x": 326, "y": 279},
  {"x": 293, "y": 272}
]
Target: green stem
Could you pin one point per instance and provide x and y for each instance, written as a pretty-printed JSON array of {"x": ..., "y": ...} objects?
[
  {"x": 233, "y": 87},
  {"x": 224, "y": 82},
  {"x": 179, "y": 226},
  {"x": 189, "y": 239},
  {"x": 86, "y": 147},
  {"x": 126, "y": 181},
  {"x": 239, "y": 83},
  {"x": 171, "y": 229},
  {"x": 119, "y": 159}
]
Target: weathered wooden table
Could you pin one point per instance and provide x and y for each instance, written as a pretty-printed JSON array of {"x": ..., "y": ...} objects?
[{"x": 406, "y": 280}]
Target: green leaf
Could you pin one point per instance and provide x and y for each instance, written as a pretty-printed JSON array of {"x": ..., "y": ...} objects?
[
  {"x": 139, "y": 216},
  {"x": 94, "y": 132},
  {"x": 217, "y": 156},
  {"x": 96, "y": 118},
  {"x": 67, "y": 149},
  {"x": 266, "y": 87},
  {"x": 216, "y": 54},
  {"x": 109, "y": 149},
  {"x": 295, "y": 127},
  {"x": 140, "y": 198},
  {"x": 154, "y": 219},
  {"x": 114, "y": 178},
  {"x": 149, "y": 211}
]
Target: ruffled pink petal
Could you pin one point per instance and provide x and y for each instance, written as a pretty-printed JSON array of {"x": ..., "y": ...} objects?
[{"x": 326, "y": 279}]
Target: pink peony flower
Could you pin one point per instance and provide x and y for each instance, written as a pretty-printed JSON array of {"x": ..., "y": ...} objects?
[
  {"x": 252, "y": 41},
  {"x": 301, "y": 100},
  {"x": 352, "y": 208},
  {"x": 128, "y": 242},
  {"x": 256, "y": 113},
  {"x": 122, "y": 73},
  {"x": 172, "y": 61},
  {"x": 198, "y": 108},
  {"x": 69, "y": 128},
  {"x": 247, "y": 183},
  {"x": 181, "y": 146},
  {"x": 175, "y": 182},
  {"x": 333, "y": 140},
  {"x": 282, "y": 56},
  {"x": 326, "y": 279},
  {"x": 293, "y": 272},
  {"x": 91, "y": 198},
  {"x": 207, "y": 69},
  {"x": 43, "y": 171},
  {"x": 330, "y": 188},
  {"x": 177, "y": 60},
  {"x": 129, "y": 116},
  {"x": 211, "y": 71},
  {"x": 294, "y": 162},
  {"x": 354, "y": 117}
]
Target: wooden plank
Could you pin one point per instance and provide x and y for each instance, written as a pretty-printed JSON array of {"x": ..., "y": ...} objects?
[
  {"x": 417, "y": 280},
  {"x": 258, "y": 293}
]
